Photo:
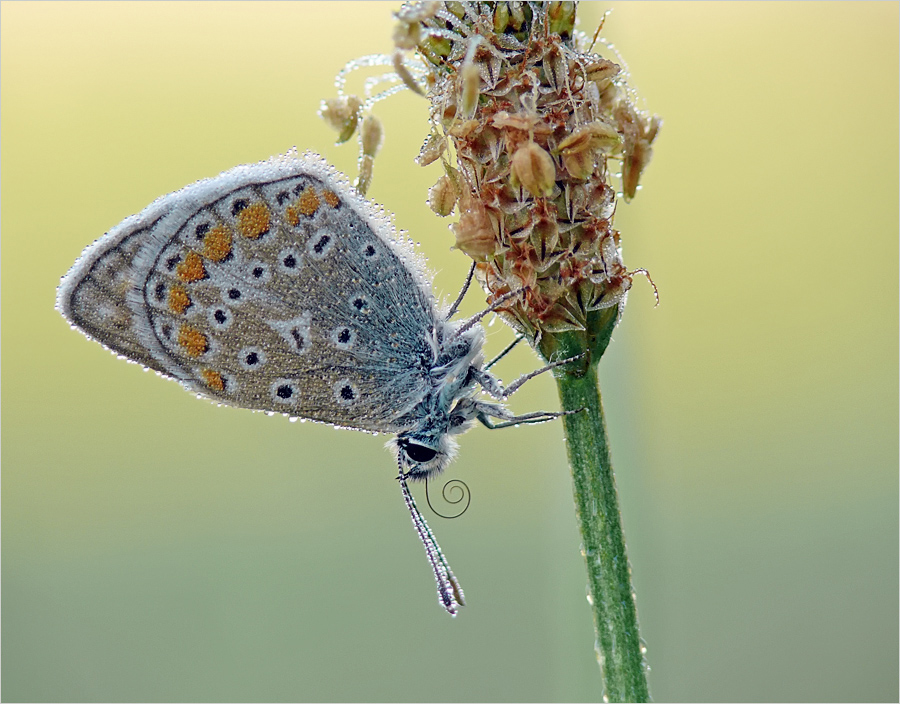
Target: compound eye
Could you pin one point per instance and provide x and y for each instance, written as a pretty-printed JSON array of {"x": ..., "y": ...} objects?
[{"x": 419, "y": 453}]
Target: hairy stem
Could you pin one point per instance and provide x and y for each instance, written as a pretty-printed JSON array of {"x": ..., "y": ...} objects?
[{"x": 618, "y": 645}]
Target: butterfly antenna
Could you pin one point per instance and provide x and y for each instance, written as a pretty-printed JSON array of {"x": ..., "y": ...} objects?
[
  {"x": 462, "y": 293},
  {"x": 450, "y": 593}
]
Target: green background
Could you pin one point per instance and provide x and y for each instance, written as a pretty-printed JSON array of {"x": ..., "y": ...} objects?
[{"x": 156, "y": 547}]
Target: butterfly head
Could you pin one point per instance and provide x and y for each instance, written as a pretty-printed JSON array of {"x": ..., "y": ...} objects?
[{"x": 422, "y": 455}]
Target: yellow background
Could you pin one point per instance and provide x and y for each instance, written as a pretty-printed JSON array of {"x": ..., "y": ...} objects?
[{"x": 156, "y": 547}]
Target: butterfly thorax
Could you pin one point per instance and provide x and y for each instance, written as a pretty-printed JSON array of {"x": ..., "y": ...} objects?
[{"x": 427, "y": 445}]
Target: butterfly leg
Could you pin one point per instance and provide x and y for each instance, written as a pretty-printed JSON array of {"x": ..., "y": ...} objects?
[
  {"x": 495, "y": 388},
  {"x": 494, "y": 306},
  {"x": 509, "y": 348},
  {"x": 525, "y": 419}
]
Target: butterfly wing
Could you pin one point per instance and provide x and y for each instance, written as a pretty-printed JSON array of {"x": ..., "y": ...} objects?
[{"x": 274, "y": 287}]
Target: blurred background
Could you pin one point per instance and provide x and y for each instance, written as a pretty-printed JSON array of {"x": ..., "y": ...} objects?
[{"x": 157, "y": 547}]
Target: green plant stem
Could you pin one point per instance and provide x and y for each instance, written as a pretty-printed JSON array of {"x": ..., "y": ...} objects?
[{"x": 619, "y": 647}]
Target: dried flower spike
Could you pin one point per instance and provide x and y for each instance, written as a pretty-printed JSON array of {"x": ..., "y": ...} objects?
[{"x": 533, "y": 118}]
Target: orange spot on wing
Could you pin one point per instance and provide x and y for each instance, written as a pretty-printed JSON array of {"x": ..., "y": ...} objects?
[
  {"x": 217, "y": 243},
  {"x": 309, "y": 201},
  {"x": 178, "y": 299},
  {"x": 193, "y": 341},
  {"x": 191, "y": 269},
  {"x": 213, "y": 379},
  {"x": 331, "y": 198},
  {"x": 253, "y": 221},
  {"x": 307, "y": 205}
]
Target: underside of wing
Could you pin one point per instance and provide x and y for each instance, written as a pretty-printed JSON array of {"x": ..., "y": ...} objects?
[{"x": 273, "y": 287}]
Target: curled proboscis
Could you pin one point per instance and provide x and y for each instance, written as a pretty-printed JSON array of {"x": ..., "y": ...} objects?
[{"x": 454, "y": 492}]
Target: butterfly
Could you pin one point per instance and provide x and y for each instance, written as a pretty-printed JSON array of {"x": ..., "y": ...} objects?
[{"x": 276, "y": 287}]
